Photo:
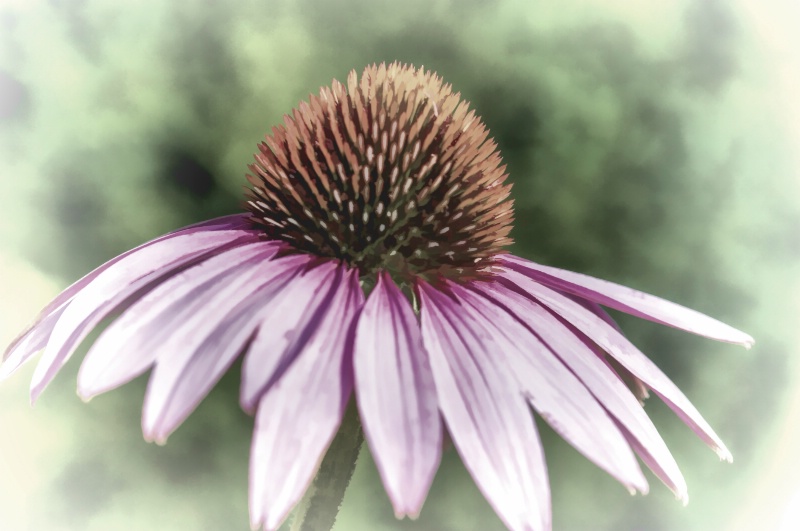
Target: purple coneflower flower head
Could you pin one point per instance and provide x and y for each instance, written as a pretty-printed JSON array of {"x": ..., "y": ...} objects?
[{"x": 372, "y": 261}]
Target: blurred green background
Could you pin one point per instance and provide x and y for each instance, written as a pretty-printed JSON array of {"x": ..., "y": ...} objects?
[{"x": 651, "y": 143}]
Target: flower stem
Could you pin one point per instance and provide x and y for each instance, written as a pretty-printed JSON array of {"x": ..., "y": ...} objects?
[{"x": 319, "y": 507}]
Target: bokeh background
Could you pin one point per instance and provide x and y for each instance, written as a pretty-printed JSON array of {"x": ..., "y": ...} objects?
[{"x": 651, "y": 143}]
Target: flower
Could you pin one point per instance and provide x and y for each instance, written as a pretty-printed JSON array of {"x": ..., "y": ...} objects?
[{"x": 389, "y": 186}]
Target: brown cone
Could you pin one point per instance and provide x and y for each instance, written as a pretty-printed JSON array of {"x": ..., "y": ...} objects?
[{"x": 391, "y": 172}]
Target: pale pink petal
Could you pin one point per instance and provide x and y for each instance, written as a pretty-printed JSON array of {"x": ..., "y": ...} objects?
[
  {"x": 597, "y": 310},
  {"x": 667, "y": 473},
  {"x": 34, "y": 338},
  {"x": 298, "y": 416},
  {"x": 129, "y": 346},
  {"x": 628, "y": 300},
  {"x": 117, "y": 283},
  {"x": 486, "y": 415},
  {"x": 197, "y": 352},
  {"x": 613, "y": 342},
  {"x": 559, "y": 397},
  {"x": 229, "y": 222},
  {"x": 396, "y": 396},
  {"x": 637, "y": 387},
  {"x": 599, "y": 379},
  {"x": 284, "y": 330},
  {"x": 29, "y": 343}
]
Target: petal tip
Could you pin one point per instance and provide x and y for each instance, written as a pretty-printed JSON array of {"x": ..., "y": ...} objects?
[
  {"x": 255, "y": 513},
  {"x": 637, "y": 484},
  {"x": 6, "y": 370},
  {"x": 246, "y": 403},
  {"x": 36, "y": 391},
  {"x": 273, "y": 521},
  {"x": 406, "y": 507},
  {"x": 722, "y": 451},
  {"x": 683, "y": 497},
  {"x": 638, "y": 488},
  {"x": 403, "y": 513},
  {"x": 85, "y": 395},
  {"x": 152, "y": 436},
  {"x": 738, "y": 337},
  {"x": 154, "y": 433},
  {"x": 86, "y": 390}
]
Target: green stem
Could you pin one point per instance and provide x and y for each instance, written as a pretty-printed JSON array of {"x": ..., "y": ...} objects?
[{"x": 319, "y": 507}]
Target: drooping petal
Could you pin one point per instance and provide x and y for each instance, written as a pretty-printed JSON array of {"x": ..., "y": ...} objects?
[
  {"x": 488, "y": 420},
  {"x": 638, "y": 388},
  {"x": 628, "y": 300},
  {"x": 599, "y": 379},
  {"x": 668, "y": 473},
  {"x": 129, "y": 346},
  {"x": 286, "y": 326},
  {"x": 202, "y": 347},
  {"x": 34, "y": 338},
  {"x": 613, "y": 342},
  {"x": 298, "y": 416},
  {"x": 29, "y": 343},
  {"x": 559, "y": 397},
  {"x": 396, "y": 396},
  {"x": 118, "y": 282}
]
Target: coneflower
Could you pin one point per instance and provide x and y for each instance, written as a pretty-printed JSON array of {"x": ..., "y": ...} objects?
[{"x": 372, "y": 260}]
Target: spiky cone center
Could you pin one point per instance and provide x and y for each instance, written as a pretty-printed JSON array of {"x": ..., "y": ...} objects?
[{"x": 392, "y": 171}]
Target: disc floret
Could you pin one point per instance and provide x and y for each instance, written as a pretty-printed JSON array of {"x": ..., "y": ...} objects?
[{"x": 392, "y": 171}]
